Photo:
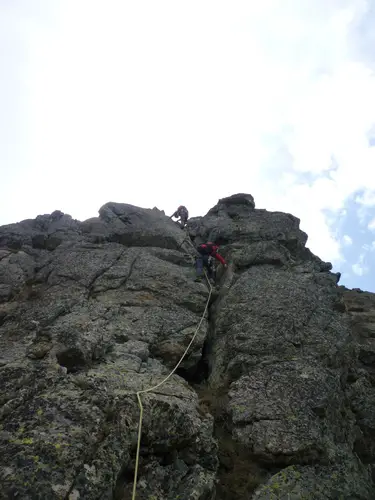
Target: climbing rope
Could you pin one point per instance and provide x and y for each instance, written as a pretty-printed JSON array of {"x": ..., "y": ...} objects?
[{"x": 150, "y": 389}]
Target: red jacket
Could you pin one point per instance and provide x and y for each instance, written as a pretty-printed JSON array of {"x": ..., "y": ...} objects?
[
  {"x": 219, "y": 257},
  {"x": 210, "y": 249}
]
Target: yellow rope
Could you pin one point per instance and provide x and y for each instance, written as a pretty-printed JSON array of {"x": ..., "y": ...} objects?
[{"x": 161, "y": 383}]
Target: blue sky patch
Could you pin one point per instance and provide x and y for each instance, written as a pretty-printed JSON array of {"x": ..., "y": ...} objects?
[{"x": 358, "y": 246}]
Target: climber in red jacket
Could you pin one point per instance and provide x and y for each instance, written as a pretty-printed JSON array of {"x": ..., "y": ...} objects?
[{"x": 207, "y": 252}]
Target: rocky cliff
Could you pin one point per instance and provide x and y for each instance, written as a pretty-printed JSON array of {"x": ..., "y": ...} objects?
[{"x": 274, "y": 400}]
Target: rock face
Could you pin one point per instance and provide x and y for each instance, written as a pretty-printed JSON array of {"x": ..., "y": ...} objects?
[
  {"x": 361, "y": 308},
  {"x": 274, "y": 400}
]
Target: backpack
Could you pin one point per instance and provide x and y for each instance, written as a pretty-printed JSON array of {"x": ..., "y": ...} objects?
[{"x": 183, "y": 211}]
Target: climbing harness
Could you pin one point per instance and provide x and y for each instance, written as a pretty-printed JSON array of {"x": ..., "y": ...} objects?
[{"x": 150, "y": 389}]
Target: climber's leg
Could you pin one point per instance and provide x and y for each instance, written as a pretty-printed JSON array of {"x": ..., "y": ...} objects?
[
  {"x": 199, "y": 268},
  {"x": 211, "y": 270}
]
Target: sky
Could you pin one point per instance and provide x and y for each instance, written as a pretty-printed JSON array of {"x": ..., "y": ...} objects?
[{"x": 167, "y": 103}]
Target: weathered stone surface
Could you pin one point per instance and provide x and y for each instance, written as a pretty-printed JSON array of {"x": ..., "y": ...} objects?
[
  {"x": 93, "y": 323},
  {"x": 44, "y": 232},
  {"x": 282, "y": 348},
  {"x": 254, "y": 237},
  {"x": 258, "y": 225},
  {"x": 281, "y": 343},
  {"x": 361, "y": 308},
  {"x": 289, "y": 412},
  {"x": 237, "y": 205},
  {"x": 93, "y": 311},
  {"x": 345, "y": 480},
  {"x": 130, "y": 225},
  {"x": 66, "y": 433},
  {"x": 274, "y": 315},
  {"x": 15, "y": 270}
]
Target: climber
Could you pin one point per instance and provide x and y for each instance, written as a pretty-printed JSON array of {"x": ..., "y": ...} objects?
[
  {"x": 208, "y": 251},
  {"x": 183, "y": 213}
]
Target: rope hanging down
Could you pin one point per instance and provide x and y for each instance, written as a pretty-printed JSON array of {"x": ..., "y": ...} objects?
[{"x": 150, "y": 389}]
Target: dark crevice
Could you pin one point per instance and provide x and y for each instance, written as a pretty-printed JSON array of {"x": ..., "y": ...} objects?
[
  {"x": 72, "y": 359},
  {"x": 198, "y": 373},
  {"x": 103, "y": 271},
  {"x": 238, "y": 474},
  {"x": 125, "y": 478},
  {"x": 124, "y": 279},
  {"x": 127, "y": 277}
]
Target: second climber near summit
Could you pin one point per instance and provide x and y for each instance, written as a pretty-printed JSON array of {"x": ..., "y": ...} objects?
[
  {"x": 206, "y": 251},
  {"x": 183, "y": 213}
]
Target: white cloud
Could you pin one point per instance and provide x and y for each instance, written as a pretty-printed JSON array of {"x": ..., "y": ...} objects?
[
  {"x": 163, "y": 103},
  {"x": 371, "y": 225},
  {"x": 347, "y": 240},
  {"x": 367, "y": 199},
  {"x": 359, "y": 268},
  {"x": 366, "y": 202},
  {"x": 369, "y": 247}
]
